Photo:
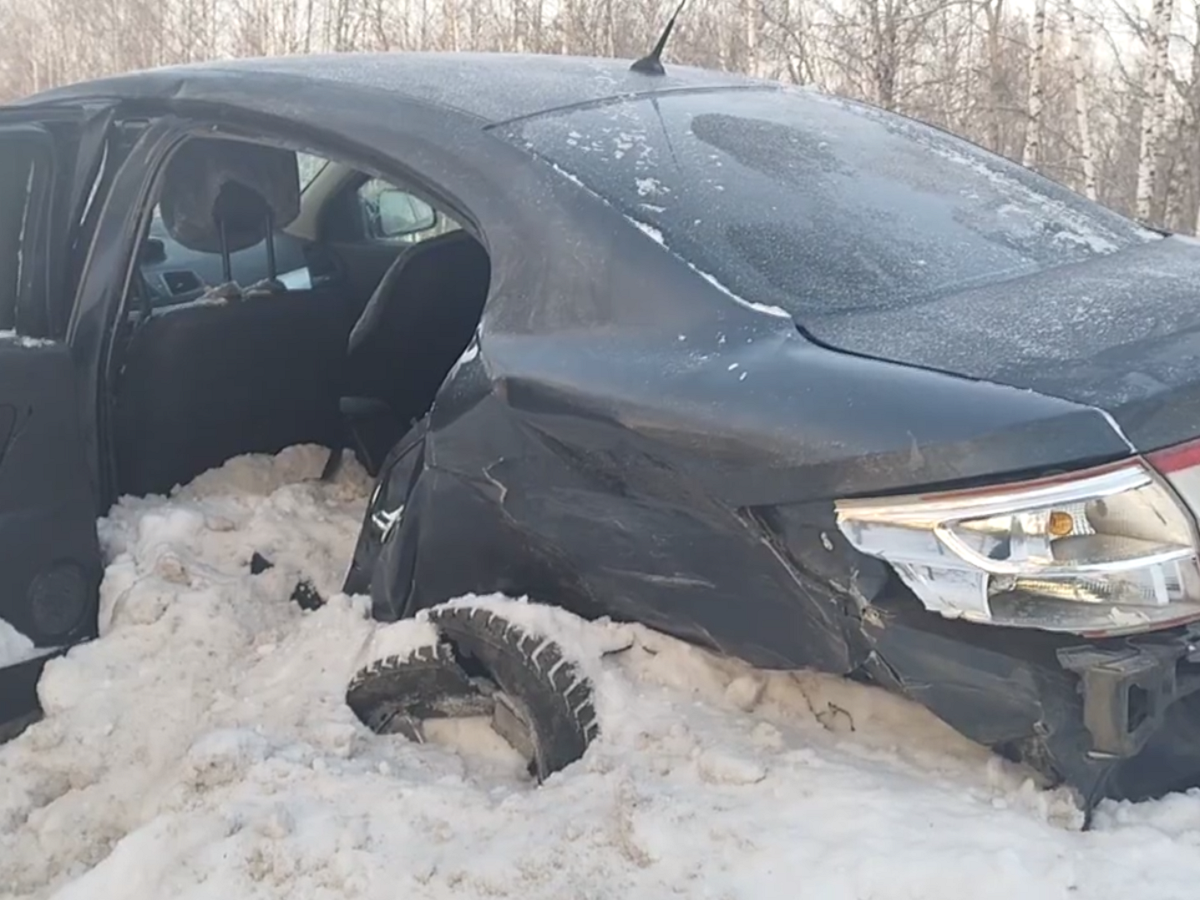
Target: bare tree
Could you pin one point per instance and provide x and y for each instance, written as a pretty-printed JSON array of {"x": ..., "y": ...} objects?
[
  {"x": 1080, "y": 93},
  {"x": 1153, "y": 111},
  {"x": 1023, "y": 81},
  {"x": 1033, "y": 132}
]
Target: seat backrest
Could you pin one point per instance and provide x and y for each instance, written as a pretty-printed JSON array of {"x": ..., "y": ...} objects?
[
  {"x": 205, "y": 381},
  {"x": 418, "y": 322}
]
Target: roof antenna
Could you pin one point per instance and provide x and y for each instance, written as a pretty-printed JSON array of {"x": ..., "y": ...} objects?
[{"x": 651, "y": 64}]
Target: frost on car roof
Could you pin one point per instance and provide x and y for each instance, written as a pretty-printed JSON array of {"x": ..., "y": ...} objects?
[
  {"x": 492, "y": 86},
  {"x": 891, "y": 239},
  {"x": 817, "y": 206}
]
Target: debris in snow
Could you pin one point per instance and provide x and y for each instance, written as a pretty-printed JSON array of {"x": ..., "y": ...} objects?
[
  {"x": 202, "y": 748},
  {"x": 259, "y": 564},
  {"x": 306, "y": 596}
]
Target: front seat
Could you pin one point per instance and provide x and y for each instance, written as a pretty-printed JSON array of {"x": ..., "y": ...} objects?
[{"x": 416, "y": 325}]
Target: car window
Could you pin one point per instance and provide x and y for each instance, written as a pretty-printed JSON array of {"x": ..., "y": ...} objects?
[
  {"x": 25, "y": 172},
  {"x": 175, "y": 274},
  {"x": 16, "y": 180},
  {"x": 310, "y": 167},
  {"x": 390, "y": 214},
  {"x": 817, "y": 205}
]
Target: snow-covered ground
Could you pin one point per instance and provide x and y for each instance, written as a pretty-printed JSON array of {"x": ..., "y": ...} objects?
[{"x": 202, "y": 749}]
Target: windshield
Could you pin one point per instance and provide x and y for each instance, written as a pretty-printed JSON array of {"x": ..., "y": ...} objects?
[{"x": 817, "y": 205}]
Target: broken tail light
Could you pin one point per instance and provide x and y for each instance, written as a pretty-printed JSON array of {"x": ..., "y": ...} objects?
[{"x": 1105, "y": 551}]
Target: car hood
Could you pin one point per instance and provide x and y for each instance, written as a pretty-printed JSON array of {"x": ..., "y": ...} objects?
[{"x": 1120, "y": 333}]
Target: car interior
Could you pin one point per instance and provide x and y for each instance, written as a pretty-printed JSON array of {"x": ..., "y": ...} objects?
[{"x": 279, "y": 299}]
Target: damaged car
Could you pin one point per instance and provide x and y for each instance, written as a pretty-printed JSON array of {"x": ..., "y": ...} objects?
[{"x": 786, "y": 376}]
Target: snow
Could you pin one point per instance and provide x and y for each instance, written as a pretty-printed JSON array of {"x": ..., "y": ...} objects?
[
  {"x": 15, "y": 647},
  {"x": 765, "y": 308},
  {"x": 398, "y": 639},
  {"x": 201, "y": 748},
  {"x": 1037, "y": 207},
  {"x": 649, "y": 230},
  {"x": 647, "y": 187},
  {"x": 11, "y": 337}
]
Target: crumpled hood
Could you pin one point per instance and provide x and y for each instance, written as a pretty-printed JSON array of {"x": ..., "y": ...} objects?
[{"x": 1121, "y": 333}]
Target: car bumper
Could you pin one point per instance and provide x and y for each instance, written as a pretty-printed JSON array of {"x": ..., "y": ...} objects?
[{"x": 1116, "y": 718}]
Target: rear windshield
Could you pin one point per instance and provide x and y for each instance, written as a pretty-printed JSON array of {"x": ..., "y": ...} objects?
[{"x": 817, "y": 205}]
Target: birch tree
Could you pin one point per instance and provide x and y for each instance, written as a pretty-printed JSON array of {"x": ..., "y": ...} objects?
[
  {"x": 1154, "y": 108},
  {"x": 1010, "y": 76},
  {"x": 1087, "y": 158},
  {"x": 1033, "y": 132}
]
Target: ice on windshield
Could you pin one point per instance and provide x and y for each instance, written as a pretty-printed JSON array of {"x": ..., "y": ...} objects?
[{"x": 816, "y": 205}]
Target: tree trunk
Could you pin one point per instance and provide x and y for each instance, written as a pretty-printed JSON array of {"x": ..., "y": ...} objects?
[
  {"x": 993, "y": 10},
  {"x": 750, "y": 12},
  {"x": 1177, "y": 177},
  {"x": 1087, "y": 155},
  {"x": 1153, "y": 110},
  {"x": 1033, "y": 130}
]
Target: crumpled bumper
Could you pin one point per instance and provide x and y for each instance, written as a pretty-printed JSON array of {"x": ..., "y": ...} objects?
[{"x": 1116, "y": 718}]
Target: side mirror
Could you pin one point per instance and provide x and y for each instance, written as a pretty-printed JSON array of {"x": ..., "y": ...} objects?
[{"x": 401, "y": 214}]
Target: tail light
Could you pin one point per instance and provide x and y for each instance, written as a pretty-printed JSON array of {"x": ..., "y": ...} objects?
[{"x": 1101, "y": 552}]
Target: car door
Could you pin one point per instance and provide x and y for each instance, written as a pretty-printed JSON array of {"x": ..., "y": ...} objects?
[{"x": 50, "y": 562}]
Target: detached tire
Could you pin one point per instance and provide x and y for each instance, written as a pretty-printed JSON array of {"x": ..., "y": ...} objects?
[{"x": 539, "y": 700}]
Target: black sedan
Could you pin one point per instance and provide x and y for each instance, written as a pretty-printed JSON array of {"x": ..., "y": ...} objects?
[{"x": 783, "y": 375}]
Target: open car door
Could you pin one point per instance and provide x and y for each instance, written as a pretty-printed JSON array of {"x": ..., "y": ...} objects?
[{"x": 50, "y": 562}]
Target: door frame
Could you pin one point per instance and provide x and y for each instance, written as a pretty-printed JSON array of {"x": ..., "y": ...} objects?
[
  {"x": 94, "y": 330},
  {"x": 75, "y": 141}
]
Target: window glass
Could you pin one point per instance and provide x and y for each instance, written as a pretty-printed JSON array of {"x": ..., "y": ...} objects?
[
  {"x": 19, "y": 171},
  {"x": 820, "y": 206},
  {"x": 174, "y": 274},
  {"x": 392, "y": 215},
  {"x": 310, "y": 167}
]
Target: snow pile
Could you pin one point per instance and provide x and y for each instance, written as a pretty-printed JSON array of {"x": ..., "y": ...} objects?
[{"x": 202, "y": 749}]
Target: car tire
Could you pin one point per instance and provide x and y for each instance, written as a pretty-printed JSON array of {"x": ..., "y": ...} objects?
[{"x": 540, "y": 700}]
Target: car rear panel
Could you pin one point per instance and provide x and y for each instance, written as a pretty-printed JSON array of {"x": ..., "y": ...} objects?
[
  {"x": 889, "y": 239},
  {"x": 1120, "y": 332}
]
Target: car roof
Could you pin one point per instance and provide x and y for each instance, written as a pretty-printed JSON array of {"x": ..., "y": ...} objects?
[{"x": 495, "y": 87}]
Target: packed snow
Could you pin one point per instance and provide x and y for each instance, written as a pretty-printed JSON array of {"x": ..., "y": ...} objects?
[
  {"x": 201, "y": 748},
  {"x": 21, "y": 340},
  {"x": 14, "y": 646}
]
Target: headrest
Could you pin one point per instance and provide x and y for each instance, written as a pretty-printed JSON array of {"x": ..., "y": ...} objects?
[{"x": 209, "y": 181}]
